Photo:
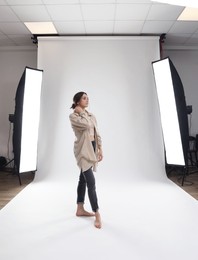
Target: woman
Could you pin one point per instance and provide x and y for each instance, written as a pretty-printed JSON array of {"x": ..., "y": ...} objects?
[{"x": 88, "y": 152}]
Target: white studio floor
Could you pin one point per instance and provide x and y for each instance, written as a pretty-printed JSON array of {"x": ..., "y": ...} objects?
[{"x": 147, "y": 220}]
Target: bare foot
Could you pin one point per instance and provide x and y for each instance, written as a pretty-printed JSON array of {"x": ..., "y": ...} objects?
[
  {"x": 82, "y": 212},
  {"x": 97, "y": 222}
]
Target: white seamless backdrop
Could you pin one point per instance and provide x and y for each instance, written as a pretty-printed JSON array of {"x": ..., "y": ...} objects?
[
  {"x": 116, "y": 73},
  {"x": 144, "y": 215}
]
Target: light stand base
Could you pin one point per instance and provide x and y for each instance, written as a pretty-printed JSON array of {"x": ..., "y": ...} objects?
[{"x": 15, "y": 171}]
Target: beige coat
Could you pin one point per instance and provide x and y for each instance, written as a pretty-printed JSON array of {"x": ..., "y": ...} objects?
[{"x": 83, "y": 149}]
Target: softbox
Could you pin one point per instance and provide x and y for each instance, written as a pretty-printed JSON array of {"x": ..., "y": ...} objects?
[
  {"x": 26, "y": 120},
  {"x": 172, "y": 105}
]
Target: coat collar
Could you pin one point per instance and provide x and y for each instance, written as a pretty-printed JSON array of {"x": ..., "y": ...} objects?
[{"x": 89, "y": 114}]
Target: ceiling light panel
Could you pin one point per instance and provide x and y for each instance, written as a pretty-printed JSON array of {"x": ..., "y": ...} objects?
[
  {"x": 189, "y": 14},
  {"x": 41, "y": 27}
]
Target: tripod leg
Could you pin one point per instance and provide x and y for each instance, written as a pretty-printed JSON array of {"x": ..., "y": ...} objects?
[
  {"x": 8, "y": 163},
  {"x": 16, "y": 171},
  {"x": 191, "y": 159},
  {"x": 185, "y": 172},
  {"x": 196, "y": 158},
  {"x": 19, "y": 178}
]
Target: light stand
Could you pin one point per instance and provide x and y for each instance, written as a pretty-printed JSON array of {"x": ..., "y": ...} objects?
[
  {"x": 14, "y": 170},
  {"x": 192, "y": 146}
]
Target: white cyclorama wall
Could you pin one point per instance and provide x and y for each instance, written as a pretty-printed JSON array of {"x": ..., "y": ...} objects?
[
  {"x": 186, "y": 63},
  {"x": 40, "y": 222},
  {"x": 12, "y": 63},
  {"x": 116, "y": 73}
]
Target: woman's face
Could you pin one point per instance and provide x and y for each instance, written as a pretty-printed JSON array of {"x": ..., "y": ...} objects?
[{"x": 84, "y": 101}]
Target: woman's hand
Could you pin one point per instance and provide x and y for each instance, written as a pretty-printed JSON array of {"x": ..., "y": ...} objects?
[
  {"x": 100, "y": 155},
  {"x": 78, "y": 109}
]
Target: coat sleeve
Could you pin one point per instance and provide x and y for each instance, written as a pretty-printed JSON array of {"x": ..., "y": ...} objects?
[
  {"x": 79, "y": 121},
  {"x": 98, "y": 134},
  {"x": 99, "y": 140}
]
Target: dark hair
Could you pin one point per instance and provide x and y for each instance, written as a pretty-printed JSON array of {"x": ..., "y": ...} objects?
[{"x": 77, "y": 98}]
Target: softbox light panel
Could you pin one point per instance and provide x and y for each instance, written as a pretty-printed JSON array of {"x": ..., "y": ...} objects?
[
  {"x": 26, "y": 120},
  {"x": 173, "y": 111}
]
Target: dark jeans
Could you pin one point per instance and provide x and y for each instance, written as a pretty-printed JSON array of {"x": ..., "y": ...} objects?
[{"x": 87, "y": 178}]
